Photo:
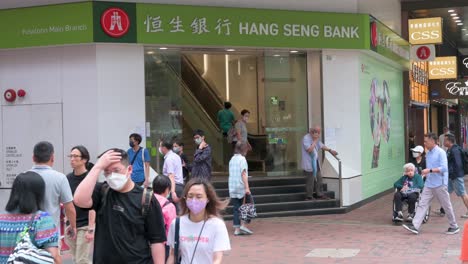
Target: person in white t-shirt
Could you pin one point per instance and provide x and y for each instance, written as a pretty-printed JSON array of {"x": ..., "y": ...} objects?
[{"x": 203, "y": 236}]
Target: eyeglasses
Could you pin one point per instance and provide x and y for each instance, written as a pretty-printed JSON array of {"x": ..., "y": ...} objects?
[{"x": 74, "y": 156}]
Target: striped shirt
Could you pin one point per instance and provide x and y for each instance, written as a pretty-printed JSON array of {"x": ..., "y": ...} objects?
[
  {"x": 237, "y": 165},
  {"x": 43, "y": 234}
]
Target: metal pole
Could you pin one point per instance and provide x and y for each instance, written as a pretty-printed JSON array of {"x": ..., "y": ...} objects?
[{"x": 340, "y": 183}]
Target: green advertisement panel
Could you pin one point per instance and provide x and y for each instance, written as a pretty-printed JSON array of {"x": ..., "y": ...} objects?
[
  {"x": 47, "y": 25},
  {"x": 218, "y": 26},
  {"x": 382, "y": 126}
]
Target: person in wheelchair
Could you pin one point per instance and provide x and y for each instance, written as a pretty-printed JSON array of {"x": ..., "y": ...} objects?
[{"x": 407, "y": 188}]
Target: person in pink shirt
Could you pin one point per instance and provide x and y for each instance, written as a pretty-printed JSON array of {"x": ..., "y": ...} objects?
[{"x": 162, "y": 189}]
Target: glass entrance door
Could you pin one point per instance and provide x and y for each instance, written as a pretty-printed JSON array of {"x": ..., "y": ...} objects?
[{"x": 186, "y": 89}]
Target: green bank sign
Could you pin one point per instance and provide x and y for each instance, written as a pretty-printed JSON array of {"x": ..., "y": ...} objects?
[
  {"x": 91, "y": 22},
  {"x": 216, "y": 26},
  {"x": 46, "y": 25}
]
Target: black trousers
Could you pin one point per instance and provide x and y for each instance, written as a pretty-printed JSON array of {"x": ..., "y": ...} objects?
[{"x": 410, "y": 198}]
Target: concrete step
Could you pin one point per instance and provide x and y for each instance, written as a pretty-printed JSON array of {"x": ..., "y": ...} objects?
[
  {"x": 292, "y": 206},
  {"x": 319, "y": 211},
  {"x": 283, "y": 189},
  {"x": 260, "y": 182}
]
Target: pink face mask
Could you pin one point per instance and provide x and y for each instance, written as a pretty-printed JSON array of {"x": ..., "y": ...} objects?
[{"x": 195, "y": 205}]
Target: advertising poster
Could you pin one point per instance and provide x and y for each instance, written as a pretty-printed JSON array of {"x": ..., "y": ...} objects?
[{"x": 382, "y": 125}]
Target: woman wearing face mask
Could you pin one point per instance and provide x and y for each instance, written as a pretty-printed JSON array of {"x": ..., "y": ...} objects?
[
  {"x": 201, "y": 165},
  {"x": 200, "y": 219},
  {"x": 178, "y": 148},
  {"x": 241, "y": 129},
  {"x": 419, "y": 160}
]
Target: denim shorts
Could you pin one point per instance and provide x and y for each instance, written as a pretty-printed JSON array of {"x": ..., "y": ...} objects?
[{"x": 457, "y": 184}]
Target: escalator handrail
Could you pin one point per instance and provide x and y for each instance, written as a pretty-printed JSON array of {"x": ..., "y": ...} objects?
[
  {"x": 205, "y": 83},
  {"x": 214, "y": 125}
]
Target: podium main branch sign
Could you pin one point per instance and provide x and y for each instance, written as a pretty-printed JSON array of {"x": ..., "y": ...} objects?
[{"x": 425, "y": 30}]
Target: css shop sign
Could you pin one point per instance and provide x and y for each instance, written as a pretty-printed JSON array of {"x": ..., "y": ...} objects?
[
  {"x": 443, "y": 68},
  {"x": 425, "y": 30}
]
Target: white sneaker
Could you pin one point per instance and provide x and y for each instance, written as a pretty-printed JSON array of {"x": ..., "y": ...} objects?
[{"x": 245, "y": 230}]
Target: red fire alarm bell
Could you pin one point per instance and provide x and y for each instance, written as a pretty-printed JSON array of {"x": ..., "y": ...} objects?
[
  {"x": 21, "y": 93},
  {"x": 10, "y": 95}
]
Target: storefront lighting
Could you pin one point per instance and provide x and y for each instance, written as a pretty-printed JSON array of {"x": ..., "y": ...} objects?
[
  {"x": 205, "y": 64},
  {"x": 451, "y": 11},
  {"x": 276, "y": 55},
  {"x": 294, "y": 51},
  {"x": 227, "y": 76},
  {"x": 230, "y": 50},
  {"x": 163, "y": 48},
  {"x": 454, "y": 14},
  {"x": 460, "y": 24},
  {"x": 463, "y": 29},
  {"x": 455, "y": 18},
  {"x": 150, "y": 52}
]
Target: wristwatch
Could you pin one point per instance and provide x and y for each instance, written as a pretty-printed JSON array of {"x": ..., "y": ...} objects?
[{"x": 430, "y": 170}]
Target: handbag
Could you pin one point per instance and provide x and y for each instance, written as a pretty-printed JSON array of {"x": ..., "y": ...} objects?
[
  {"x": 232, "y": 135},
  {"x": 26, "y": 252},
  {"x": 247, "y": 210}
]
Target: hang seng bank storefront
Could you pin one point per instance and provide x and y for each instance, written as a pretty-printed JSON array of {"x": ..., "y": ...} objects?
[{"x": 94, "y": 72}]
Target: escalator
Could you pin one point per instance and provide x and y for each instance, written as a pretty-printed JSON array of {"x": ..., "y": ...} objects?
[{"x": 211, "y": 102}]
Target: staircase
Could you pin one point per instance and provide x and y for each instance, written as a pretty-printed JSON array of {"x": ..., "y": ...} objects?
[{"x": 277, "y": 197}]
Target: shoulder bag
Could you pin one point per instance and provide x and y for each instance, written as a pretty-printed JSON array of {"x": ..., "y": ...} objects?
[{"x": 26, "y": 252}]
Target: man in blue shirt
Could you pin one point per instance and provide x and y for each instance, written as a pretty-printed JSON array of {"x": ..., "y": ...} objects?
[
  {"x": 436, "y": 175},
  {"x": 140, "y": 161}
]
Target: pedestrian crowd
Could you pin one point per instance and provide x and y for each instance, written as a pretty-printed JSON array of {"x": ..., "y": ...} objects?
[{"x": 134, "y": 216}]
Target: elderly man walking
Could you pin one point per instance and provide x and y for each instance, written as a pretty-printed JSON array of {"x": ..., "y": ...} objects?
[{"x": 435, "y": 185}]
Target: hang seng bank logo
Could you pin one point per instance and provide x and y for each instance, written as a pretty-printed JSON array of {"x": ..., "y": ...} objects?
[
  {"x": 115, "y": 22},
  {"x": 455, "y": 88}
]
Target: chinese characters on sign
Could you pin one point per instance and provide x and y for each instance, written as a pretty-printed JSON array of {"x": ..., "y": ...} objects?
[
  {"x": 425, "y": 30},
  {"x": 443, "y": 68},
  {"x": 198, "y": 25},
  {"x": 12, "y": 157}
]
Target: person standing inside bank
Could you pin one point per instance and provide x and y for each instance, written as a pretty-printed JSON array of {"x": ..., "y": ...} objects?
[
  {"x": 311, "y": 145},
  {"x": 226, "y": 118},
  {"x": 140, "y": 160},
  {"x": 241, "y": 129}
]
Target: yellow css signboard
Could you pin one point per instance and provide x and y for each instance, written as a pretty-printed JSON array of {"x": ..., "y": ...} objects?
[
  {"x": 425, "y": 30},
  {"x": 443, "y": 68}
]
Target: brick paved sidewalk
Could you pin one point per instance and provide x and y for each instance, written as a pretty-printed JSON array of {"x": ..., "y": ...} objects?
[{"x": 368, "y": 232}]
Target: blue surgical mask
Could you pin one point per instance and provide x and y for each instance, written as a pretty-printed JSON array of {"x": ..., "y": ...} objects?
[{"x": 131, "y": 144}]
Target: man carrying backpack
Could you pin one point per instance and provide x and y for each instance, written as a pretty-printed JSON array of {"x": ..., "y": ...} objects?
[
  {"x": 129, "y": 221},
  {"x": 456, "y": 160}
]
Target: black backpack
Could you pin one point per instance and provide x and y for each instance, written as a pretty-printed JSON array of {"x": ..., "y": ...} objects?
[{"x": 464, "y": 153}]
